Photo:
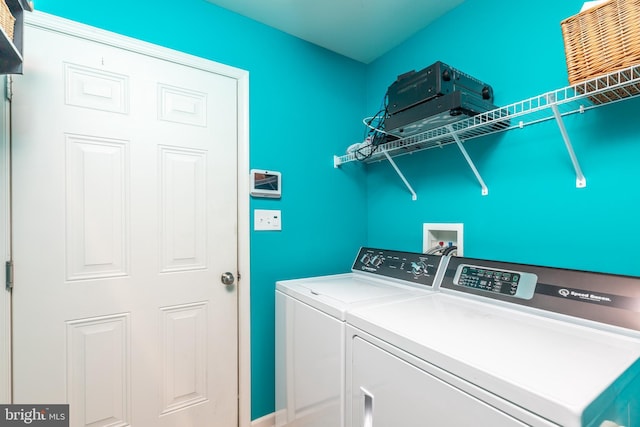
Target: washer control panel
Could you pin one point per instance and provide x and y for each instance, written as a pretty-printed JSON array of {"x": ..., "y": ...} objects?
[
  {"x": 415, "y": 268},
  {"x": 507, "y": 282}
]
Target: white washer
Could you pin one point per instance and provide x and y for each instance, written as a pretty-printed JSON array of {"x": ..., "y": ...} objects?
[
  {"x": 310, "y": 329},
  {"x": 500, "y": 345}
]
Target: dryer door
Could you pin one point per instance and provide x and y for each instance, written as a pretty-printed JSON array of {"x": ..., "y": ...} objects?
[{"x": 389, "y": 392}]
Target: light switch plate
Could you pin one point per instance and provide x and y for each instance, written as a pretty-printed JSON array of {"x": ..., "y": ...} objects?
[{"x": 267, "y": 220}]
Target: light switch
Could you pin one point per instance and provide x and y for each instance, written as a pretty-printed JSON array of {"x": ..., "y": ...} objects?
[{"x": 267, "y": 220}]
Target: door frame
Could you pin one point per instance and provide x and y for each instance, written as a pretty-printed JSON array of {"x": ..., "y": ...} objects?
[{"x": 64, "y": 26}]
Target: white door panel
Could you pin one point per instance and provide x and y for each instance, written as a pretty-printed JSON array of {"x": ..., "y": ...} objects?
[{"x": 125, "y": 218}]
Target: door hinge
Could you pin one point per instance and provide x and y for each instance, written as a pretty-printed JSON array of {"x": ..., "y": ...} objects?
[
  {"x": 8, "y": 272},
  {"x": 9, "y": 88}
]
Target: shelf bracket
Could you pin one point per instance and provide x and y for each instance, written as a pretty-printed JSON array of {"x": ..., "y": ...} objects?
[
  {"x": 336, "y": 162},
  {"x": 485, "y": 190},
  {"x": 581, "y": 181},
  {"x": 414, "y": 196}
]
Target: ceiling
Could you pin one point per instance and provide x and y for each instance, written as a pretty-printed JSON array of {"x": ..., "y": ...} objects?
[{"x": 359, "y": 29}]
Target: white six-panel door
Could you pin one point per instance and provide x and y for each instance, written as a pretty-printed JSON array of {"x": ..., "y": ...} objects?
[{"x": 125, "y": 217}]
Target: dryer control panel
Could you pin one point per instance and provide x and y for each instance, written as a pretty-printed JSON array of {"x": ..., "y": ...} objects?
[
  {"x": 410, "y": 267},
  {"x": 600, "y": 297},
  {"x": 507, "y": 282}
]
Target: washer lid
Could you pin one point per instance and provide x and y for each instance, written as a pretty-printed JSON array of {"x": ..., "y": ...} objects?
[
  {"x": 561, "y": 371},
  {"x": 336, "y": 294}
]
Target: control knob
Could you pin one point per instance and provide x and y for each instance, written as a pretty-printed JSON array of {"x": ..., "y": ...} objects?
[
  {"x": 366, "y": 258},
  {"x": 418, "y": 268},
  {"x": 377, "y": 261}
]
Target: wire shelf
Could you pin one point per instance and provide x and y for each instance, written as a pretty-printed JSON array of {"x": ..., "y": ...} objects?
[{"x": 577, "y": 98}]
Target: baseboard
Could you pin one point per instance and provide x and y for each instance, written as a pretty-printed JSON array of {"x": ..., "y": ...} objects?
[{"x": 266, "y": 421}]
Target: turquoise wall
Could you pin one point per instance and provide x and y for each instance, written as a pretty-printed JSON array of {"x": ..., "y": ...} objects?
[
  {"x": 306, "y": 104},
  {"x": 534, "y": 213}
]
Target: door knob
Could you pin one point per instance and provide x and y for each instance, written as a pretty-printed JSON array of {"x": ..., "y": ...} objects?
[{"x": 227, "y": 278}]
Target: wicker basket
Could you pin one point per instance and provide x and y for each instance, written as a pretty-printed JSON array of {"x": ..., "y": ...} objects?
[
  {"x": 7, "y": 21},
  {"x": 602, "y": 39}
]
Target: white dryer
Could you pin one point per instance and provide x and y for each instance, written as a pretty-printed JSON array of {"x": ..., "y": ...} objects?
[
  {"x": 311, "y": 331},
  {"x": 500, "y": 345}
]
